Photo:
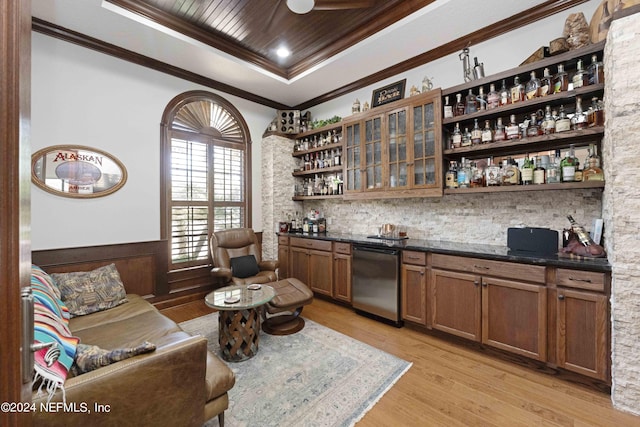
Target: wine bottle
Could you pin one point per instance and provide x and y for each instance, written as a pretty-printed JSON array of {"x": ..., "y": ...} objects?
[{"x": 580, "y": 232}]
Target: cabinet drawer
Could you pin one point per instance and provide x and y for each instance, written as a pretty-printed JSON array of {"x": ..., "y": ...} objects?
[
  {"x": 320, "y": 245},
  {"x": 580, "y": 279},
  {"x": 283, "y": 240},
  {"x": 413, "y": 257},
  {"x": 485, "y": 267},
  {"x": 342, "y": 248}
]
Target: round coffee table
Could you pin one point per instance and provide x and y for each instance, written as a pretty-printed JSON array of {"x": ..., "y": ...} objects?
[{"x": 239, "y": 319}]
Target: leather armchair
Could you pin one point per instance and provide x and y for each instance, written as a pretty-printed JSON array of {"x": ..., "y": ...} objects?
[{"x": 227, "y": 244}]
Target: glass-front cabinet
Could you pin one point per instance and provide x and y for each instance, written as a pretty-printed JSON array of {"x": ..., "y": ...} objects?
[
  {"x": 401, "y": 146},
  {"x": 373, "y": 153}
]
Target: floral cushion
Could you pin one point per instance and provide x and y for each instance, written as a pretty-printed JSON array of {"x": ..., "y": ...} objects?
[
  {"x": 51, "y": 325},
  {"x": 86, "y": 292},
  {"x": 90, "y": 357}
]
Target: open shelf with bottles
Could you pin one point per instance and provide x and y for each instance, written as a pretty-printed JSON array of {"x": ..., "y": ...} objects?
[
  {"x": 319, "y": 172},
  {"x": 531, "y": 126}
]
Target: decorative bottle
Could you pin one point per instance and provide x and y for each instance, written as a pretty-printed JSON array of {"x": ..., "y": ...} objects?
[
  {"x": 560, "y": 80},
  {"x": 579, "y": 119},
  {"x": 487, "y": 133},
  {"x": 532, "y": 88},
  {"x": 563, "y": 123},
  {"x": 545, "y": 83},
  {"x": 499, "y": 133},
  {"x": 568, "y": 165},
  {"x": 517, "y": 91},
  {"x": 471, "y": 103},
  {"x": 476, "y": 133},
  {"x": 456, "y": 137},
  {"x": 492, "y": 174},
  {"x": 548, "y": 123},
  {"x": 596, "y": 71},
  {"x": 526, "y": 172},
  {"x": 459, "y": 107},
  {"x": 512, "y": 129},
  {"x": 448, "y": 109},
  {"x": 539, "y": 172},
  {"x": 505, "y": 94},
  {"x": 493, "y": 97}
]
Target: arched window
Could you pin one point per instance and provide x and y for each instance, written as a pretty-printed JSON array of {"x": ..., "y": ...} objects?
[{"x": 206, "y": 169}]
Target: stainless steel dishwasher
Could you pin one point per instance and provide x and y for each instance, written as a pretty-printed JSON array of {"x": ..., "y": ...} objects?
[{"x": 376, "y": 282}]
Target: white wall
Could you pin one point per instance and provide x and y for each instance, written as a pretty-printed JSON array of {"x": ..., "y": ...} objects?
[{"x": 83, "y": 97}]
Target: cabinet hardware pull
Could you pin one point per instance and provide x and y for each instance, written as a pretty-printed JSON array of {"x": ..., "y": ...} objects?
[
  {"x": 575, "y": 279},
  {"x": 476, "y": 283},
  {"x": 481, "y": 267},
  {"x": 422, "y": 273},
  {"x": 484, "y": 284},
  {"x": 560, "y": 297}
]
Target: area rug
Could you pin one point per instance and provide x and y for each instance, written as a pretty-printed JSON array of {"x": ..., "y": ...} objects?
[{"x": 316, "y": 377}]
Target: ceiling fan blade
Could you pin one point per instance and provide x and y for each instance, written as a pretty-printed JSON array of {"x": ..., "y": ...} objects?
[{"x": 342, "y": 4}]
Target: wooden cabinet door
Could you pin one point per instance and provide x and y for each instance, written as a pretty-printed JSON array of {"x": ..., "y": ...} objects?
[
  {"x": 283, "y": 261},
  {"x": 342, "y": 277},
  {"x": 455, "y": 303},
  {"x": 395, "y": 173},
  {"x": 299, "y": 267},
  {"x": 426, "y": 154},
  {"x": 373, "y": 154},
  {"x": 414, "y": 293},
  {"x": 582, "y": 333},
  {"x": 514, "y": 317},
  {"x": 321, "y": 272},
  {"x": 352, "y": 135}
]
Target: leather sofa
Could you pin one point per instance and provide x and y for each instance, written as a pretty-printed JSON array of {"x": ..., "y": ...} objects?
[{"x": 181, "y": 383}]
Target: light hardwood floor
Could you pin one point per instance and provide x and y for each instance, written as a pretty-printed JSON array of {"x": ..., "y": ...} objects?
[{"x": 451, "y": 385}]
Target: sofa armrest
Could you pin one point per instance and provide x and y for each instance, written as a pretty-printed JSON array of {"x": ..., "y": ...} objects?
[
  {"x": 222, "y": 273},
  {"x": 165, "y": 387},
  {"x": 268, "y": 265}
]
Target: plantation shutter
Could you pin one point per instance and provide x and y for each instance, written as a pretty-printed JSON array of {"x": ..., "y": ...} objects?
[{"x": 208, "y": 190}]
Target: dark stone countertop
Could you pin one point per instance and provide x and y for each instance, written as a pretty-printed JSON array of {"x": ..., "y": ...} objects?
[{"x": 493, "y": 252}]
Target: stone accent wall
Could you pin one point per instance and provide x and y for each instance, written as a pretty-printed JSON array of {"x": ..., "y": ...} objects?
[
  {"x": 473, "y": 218},
  {"x": 621, "y": 205},
  {"x": 277, "y": 189}
]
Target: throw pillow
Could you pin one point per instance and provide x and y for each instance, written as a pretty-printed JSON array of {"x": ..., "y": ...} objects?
[
  {"x": 86, "y": 292},
  {"x": 244, "y": 266},
  {"x": 51, "y": 325},
  {"x": 90, "y": 357}
]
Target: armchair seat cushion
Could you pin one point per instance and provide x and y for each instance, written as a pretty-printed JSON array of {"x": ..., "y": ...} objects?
[{"x": 261, "y": 278}]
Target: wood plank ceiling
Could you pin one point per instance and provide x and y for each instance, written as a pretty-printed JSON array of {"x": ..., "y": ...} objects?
[{"x": 253, "y": 30}]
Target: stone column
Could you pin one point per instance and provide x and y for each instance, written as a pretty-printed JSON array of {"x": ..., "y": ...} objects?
[
  {"x": 621, "y": 205},
  {"x": 277, "y": 189}
]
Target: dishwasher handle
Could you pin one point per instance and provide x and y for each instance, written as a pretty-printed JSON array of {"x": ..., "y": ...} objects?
[{"x": 378, "y": 250}]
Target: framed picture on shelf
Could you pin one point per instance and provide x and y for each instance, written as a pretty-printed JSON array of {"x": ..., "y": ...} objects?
[{"x": 389, "y": 93}]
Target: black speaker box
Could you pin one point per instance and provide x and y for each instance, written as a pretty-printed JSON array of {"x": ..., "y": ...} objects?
[{"x": 534, "y": 241}]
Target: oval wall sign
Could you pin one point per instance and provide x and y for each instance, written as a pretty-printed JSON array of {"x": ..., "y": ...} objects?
[{"x": 77, "y": 171}]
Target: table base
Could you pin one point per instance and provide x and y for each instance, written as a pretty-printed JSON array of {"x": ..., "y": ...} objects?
[{"x": 239, "y": 333}]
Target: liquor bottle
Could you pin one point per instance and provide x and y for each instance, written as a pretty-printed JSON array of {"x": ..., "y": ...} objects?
[
  {"x": 560, "y": 80},
  {"x": 592, "y": 172},
  {"x": 526, "y": 172},
  {"x": 492, "y": 174},
  {"x": 448, "y": 109},
  {"x": 548, "y": 123},
  {"x": 476, "y": 133},
  {"x": 596, "y": 71},
  {"x": 499, "y": 133},
  {"x": 577, "y": 177},
  {"x": 451, "y": 177},
  {"x": 595, "y": 115},
  {"x": 482, "y": 99},
  {"x": 553, "y": 171},
  {"x": 539, "y": 172},
  {"x": 471, "y": 103},
  {"x": 456, "y": 137},
  {"x": 517, "y": 91},
  {"x": 563, "y": 123},
  {"x": 477, "y": 176},
  {"x": 338, "y": 157},
  {"x": 580, "y": 232},
  {"x": 487, "y": 133},
  {"x": 594, "y": 154},
  {"x": 580, "y": 77},
  {"x": 568, "y": 165},
  {"x": 545, "y": 83},
  {"x": 459, "y": 108},
  {"x": 505, "y": 94},
  {"x": 510, "y": 172},
  {"x": 464, "y": 172},
  {"x": 512, "y": 129},
  {"x": 532, "y": 88},
  {"x": 466, "y": 138},
  {"x": 533, "y": 129},
  {"x": 493, "y": 97},
  {"x": 579, "y": 119}
]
